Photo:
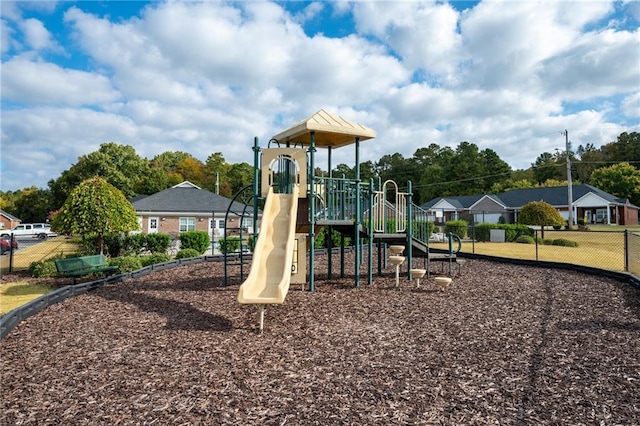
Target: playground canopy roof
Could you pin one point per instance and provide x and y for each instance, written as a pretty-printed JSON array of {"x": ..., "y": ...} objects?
[{"x": 330, "y": 131}]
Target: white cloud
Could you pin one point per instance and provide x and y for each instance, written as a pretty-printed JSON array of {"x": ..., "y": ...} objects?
[
  {"x": 631, "y": 105},
  {"x": 309, "y": 12},
  {"x": 36, "y": 83},
  {"x": 36, "y": 35},
  {"x": 5, "y": 36},
  {"x": 599, "y": 64},
  {"x": 10, "y": 10},
  {"x": 423, "y": 34},
  {"x": 204, "y": 77}
]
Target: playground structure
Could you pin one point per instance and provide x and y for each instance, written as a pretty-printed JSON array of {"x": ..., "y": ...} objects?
[{"x": 298, "y": 205}]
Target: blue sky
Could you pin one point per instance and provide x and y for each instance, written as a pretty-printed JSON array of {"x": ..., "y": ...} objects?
[{"x": 206, "y": 77}]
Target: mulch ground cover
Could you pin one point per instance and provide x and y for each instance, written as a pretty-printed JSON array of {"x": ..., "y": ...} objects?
[{"x": 503, "y": 344}]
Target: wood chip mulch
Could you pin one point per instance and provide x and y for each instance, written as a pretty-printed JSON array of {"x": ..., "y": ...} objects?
[{"x": 503, "y": 344}]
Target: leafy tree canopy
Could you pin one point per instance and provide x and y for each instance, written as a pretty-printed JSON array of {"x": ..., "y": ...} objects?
[
  {"x": 117, "y": 164},
  {"x": 540, "y": 213},
  {"x": 621, "y": 180},
  {"x": 95, "y": 207}
]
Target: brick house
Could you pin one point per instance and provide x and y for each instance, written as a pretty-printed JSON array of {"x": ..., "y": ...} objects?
[
  {"x": 589, "y": 203},
  {"x": 8, "y": 221},
  {"x": 187, "y": 207}
]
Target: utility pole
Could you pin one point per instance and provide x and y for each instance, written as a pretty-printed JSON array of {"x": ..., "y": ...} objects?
[
  {"x": 218, "y": 183},
  {"x": 569, "y": 185}
]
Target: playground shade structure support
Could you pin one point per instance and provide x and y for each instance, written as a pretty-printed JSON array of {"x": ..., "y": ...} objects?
[{"x": 270, "y": 275}]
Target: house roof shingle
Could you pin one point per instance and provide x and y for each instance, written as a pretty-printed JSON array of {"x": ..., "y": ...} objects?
[
  {"x": 186, "y": 199},
  {"x": 515, "y": 198}
]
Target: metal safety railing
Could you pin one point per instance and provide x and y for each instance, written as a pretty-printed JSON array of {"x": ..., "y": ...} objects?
[{"x": 336, "y": 198}]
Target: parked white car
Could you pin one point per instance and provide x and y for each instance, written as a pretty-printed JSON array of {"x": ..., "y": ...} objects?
[{"x": 40, "y": 231}]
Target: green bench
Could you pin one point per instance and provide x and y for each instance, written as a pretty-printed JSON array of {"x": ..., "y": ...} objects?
[{"x": 86, "y": 265}]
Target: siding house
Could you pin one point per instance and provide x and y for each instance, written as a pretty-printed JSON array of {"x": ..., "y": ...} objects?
[
  {"x": 589, "y": 203},
  {"x": 187, "y": 207}
]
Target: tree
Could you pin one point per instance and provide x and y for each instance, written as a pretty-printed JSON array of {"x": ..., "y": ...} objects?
[
  {"x": 343, "y": 170},
  {"x": 217, "y": 170},
  {"x": 95, "y": 207},
  {"x": 33, "y": 205},
  {"x": 494, "y": 169},
  {"x": 626, "y": 148},
  {"x": 547, "y": 166},
  {"x": 192, "y": 170},
  {"x": 621, "y": 180},
  {"x": 590, "y": 159},
  {"x": 117, "y": 164},
  {"x": 240, "y": 175},
  {"x": 539, "y": 213},
  {"x": 509, "y": 184}
]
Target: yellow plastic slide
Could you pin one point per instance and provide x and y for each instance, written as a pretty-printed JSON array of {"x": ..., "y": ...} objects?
[{"x": 270, "y": 275}]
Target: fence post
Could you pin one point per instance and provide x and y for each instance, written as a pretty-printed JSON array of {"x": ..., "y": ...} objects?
[
  {"x": 626, "y": 250},
  {"x": 473, "y": 238},
  {"x": 536, "y": 245},
  {"x": 11, "y": 251}
]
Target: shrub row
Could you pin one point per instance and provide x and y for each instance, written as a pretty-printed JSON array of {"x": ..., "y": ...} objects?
[
  {"x": 526, "y": 239},
  {"x": 511, "y": 231}
]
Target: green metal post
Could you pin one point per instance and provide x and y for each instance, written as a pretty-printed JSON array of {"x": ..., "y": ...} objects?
[
  {"x": 256, "y": 188},
  {"x": 409, "y": 230},
  {"x": 312, "y": 211},
  {"x": 356, "y": 243},
  {"x": 329, "y": 203},
  {"x": 341, "y": 255},
  {"x": 370, "y": 278}
]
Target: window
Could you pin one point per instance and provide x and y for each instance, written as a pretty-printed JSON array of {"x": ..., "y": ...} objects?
[
  {"x": 247, "y": 222},
  {"x": 187, "y": 224}
]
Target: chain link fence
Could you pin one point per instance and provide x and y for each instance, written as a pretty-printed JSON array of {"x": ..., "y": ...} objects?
[
  {"x": 611, "y": 250},
  {"x": 632, "y": 240},
  {"x": 30, "y": 250}
]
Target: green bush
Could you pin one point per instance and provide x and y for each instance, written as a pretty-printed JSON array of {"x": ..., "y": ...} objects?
[
  {"x": 158, "y": 243},
  {"x": 134, "y": 244},
  {"x": 154, "y": 259},
  {"x": 525, "y": 239},
  {"x": 43, "y": 269},
  {"x": 511, "y": 231},
  {"x": 482, "y": 231},
  {"x": 229, "y": 245},
  {"x": 113, "y": 244},
  {"x": 423, "y": 228},
  {"x": 126, "y": 263},
  {"x": 187, "y": 253},
  {"x": 90, "y": 243},
  {"x": 564, "y": 243},
  {"x": 336, "y": 239},
  {"x": 197, "y": 240},
  {"x": 581, "y": 222},
  {"x": 545, "y": 241},
  {"x": 458, "y": 227}
]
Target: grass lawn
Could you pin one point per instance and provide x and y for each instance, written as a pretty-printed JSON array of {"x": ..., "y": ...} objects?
[
  {"x": 18, "y": 293},
  {"x": 595, "y": 248},
  {"x": 40, "y": 252},
  {"x": 14, "y": 294}
]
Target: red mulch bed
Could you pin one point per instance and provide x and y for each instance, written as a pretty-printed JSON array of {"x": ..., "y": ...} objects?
[{"x": 503, "y": 344}]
